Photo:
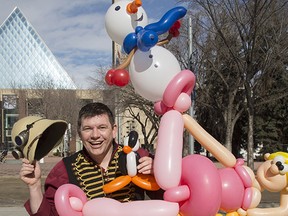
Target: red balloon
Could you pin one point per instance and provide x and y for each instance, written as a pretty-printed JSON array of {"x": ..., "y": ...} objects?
[
  {"x": 120, "y": 77},
  {"x": 174, "y": 30},
  {"x": 109, "y": 77}
]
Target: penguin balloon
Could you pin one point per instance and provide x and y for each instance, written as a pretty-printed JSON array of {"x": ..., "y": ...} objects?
[
  {"x": 128, "y": 162},
  {"x": 128, "y": 158}
]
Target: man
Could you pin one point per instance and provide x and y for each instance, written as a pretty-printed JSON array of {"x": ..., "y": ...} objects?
[{"x": 90, "y": 168}]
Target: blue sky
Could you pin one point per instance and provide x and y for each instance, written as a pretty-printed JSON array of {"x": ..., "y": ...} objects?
[{"x": 74, "y": 30}]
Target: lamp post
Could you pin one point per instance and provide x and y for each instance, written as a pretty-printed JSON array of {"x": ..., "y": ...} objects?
[
  {"x": 114, "y": 65},
  {"x": 191, "y": 109}
]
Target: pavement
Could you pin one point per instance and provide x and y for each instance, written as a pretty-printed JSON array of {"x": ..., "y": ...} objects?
[
  {"x": 11, "y": 166},
  {"x": 16, "y": 193},
  {"x": 13, "y": 211},
  {"x": 9, "y": 171}
]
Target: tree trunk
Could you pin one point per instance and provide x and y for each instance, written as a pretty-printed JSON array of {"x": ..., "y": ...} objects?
[
  {"x": 250, "y": 146},
  {"x": 229, "y": 131}
]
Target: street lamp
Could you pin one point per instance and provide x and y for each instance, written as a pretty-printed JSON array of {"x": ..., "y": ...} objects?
[{"x": 191, "y": 109}]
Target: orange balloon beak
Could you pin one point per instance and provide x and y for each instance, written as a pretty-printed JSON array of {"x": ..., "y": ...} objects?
[
  {"x": 132, "y": 7},
  {"x": 127, "y": 149}
]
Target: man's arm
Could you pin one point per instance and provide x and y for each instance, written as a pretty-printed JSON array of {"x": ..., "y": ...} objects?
[
  {"x": 57, "y": 177},
  {"x": 30, "y": 174}
]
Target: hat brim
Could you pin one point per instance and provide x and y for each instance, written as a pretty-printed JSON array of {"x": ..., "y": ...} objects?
[
  {"x": 49, "y": 139},
  {"x": 48, "y": 135}
]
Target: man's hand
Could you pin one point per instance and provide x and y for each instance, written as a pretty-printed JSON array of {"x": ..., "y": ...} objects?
[
  {"x": 146, "y": 165},
  {"x": 30, "y": 173}
]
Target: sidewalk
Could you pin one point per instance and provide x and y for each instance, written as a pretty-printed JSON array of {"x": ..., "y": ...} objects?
[
  {"x": 13, "y": 192},
  {"x": 13, "y": 211},
  {"x": 11, "y": 167}
]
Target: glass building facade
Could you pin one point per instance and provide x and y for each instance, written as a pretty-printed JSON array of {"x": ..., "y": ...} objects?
[
  {"x": 25, "y": 60},
  {"x": 25, "y": 63}
]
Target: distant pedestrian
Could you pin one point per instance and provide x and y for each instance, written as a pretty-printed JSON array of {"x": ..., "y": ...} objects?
[{"x": 3, "y": 156}]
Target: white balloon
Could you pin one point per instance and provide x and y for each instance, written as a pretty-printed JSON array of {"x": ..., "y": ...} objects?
[
  {"x": 119, "y": 23},
  {"x": 151, "y": 71},
  {"x": 136, "y": 147},
  {"x": 131, "y": 164}
]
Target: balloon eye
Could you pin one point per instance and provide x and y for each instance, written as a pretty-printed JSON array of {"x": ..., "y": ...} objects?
[
  {"x": 279, "y": 159},
  {"x": 155, "y": 65},
  {"x": 284, "y": 169},
  {"x": 150, "y": 56},
  {"x": 117, "y": 8}
]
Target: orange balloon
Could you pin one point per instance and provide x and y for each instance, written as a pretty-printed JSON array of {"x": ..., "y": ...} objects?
[
  {"x": 117, "y": 184},
  {"x": 127, "y": 149},
  {"x": 146, "y": 182}
]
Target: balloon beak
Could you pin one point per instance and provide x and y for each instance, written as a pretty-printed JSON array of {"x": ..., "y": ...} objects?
[
  {"x": 132, "y": 7},
  {"x": 127, "y": 149}
]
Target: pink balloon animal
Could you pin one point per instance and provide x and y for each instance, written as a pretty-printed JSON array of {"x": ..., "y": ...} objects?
[{"x": 204, "y": 189}]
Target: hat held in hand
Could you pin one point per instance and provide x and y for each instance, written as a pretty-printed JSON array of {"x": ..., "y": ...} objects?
[{"x": 34, "y": 136}]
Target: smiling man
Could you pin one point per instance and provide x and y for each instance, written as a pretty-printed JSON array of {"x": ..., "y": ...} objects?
[{"x": 90, "y": 168}]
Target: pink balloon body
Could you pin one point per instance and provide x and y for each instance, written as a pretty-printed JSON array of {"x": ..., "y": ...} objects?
[
  {"x": 232, "y": 190},
  {"x": 111, "y": 207},
  {"x": 63, "y": 200},
  {"x": 168, "y": 156},
  {"x": 203, "y": 180}
]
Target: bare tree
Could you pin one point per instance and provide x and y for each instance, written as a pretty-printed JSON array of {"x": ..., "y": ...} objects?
[
  {"x": 240, "y": 45},
  {"x": 47, "y": 100},
  {"x": 125, "y": 100},
  {"x": 142, "y": 111}
]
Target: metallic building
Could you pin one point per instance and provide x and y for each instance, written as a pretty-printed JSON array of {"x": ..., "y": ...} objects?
[
  {"x": 25, "y": 60},
  {"x": 25, "y": 63}
]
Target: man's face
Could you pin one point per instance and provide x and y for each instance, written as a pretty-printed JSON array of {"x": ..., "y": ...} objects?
[{"x": 97, "y": 135}]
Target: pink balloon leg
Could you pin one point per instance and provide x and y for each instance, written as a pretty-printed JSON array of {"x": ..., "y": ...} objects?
[{"x": 168, "y": 156}]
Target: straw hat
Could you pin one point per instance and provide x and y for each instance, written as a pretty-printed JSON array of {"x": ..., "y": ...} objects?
[{"x": 34, "y": 136}]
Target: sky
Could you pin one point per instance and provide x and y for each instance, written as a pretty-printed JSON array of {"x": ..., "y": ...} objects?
[{"x": 74, "y": 30}]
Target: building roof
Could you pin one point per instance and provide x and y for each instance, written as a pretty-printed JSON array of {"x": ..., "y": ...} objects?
[{"x": 25, "y": 60}]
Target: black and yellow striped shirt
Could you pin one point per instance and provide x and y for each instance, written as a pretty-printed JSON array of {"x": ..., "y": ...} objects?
[{"x": 90, "y": 177}]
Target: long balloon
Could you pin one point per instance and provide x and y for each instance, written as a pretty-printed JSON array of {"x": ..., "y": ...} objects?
[
  {"x": 168, "y": 156},
  {"x": 111, "y": 207},
  {"x": 223, "y": 155},
  {"x": 108, "y": 206},
  {"x": 167, "y": 20}
]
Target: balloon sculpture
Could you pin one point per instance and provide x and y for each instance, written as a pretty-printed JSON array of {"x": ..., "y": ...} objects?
[
  {"x": 128, "y": 161},
  {"x": 272, "y": 175},
  {"x": 193, "y": 185}
]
